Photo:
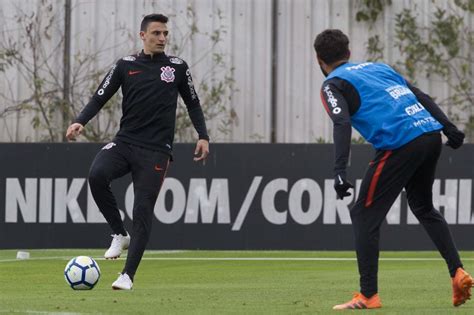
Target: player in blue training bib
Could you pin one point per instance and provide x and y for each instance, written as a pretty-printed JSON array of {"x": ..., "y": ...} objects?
[{"x": 403, "y": 124}]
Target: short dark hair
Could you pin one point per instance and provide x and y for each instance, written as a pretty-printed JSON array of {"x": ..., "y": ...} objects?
[
  {"x": 152, "y": 18},
  {"x": 332, "y": 45}
]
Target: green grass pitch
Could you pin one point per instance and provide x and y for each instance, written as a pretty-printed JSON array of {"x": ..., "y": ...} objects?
[{"x": 228, "y": 282}]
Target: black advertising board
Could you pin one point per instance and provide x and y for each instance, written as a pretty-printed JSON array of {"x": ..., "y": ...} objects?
[{"x": 247, "y": 196}]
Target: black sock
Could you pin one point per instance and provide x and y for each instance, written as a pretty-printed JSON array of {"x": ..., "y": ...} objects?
[
  {"x": 369, "y": 294},
  {"x": 121, "y": 232},
  {"x": 452, "y": 271}
]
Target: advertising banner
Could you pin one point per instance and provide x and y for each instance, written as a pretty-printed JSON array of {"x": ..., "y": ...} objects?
[{"x": 247, "y": 196}]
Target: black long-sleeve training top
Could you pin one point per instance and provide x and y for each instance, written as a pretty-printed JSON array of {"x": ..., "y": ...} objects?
[
  {"x": 150, "y": 87},
  {"x": 348, "y": 100}
]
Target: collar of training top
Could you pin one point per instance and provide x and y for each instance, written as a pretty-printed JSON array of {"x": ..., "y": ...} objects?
[
  {"x": 341, "y": 64},
  {"x": 154, "y": 56}
]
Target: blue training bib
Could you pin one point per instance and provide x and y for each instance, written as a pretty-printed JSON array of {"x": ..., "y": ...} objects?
[{"x": 389, "y": 115}]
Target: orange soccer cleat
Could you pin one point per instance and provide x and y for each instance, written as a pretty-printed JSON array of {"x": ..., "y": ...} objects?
[
  {"x": 462, "y": 283},
  {"x": 359, "y": 301}
]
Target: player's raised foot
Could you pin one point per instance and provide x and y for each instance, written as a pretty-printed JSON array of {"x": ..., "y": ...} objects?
[
  {"x": 462, "y": 283},
  {"x": 359, "y": 301},
  {"x": 119, "y": 243},
  {"x": 123, "y": 282}
]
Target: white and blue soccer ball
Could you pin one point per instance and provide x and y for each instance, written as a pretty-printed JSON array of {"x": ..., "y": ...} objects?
[{"x": 82, "y": 273}]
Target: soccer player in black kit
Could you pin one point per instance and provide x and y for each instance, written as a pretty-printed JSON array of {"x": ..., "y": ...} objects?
[
  {"x": 403, "y": 124},
  {"x": 150, "y": 82}
]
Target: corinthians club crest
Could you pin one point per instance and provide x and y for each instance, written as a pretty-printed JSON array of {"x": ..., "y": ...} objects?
[{"x": 167, "y": 74}]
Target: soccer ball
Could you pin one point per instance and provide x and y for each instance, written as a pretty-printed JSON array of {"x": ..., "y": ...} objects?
[{"x": 82, "y": 273}]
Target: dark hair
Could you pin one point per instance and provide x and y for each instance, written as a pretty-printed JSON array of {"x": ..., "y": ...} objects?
[
  {"x": 152, "y": 18},
  {"x": 332, "y": 45}
]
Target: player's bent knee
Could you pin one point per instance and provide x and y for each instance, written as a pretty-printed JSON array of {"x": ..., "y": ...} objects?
[
  {"x": 97, "y": 178},
  {"x": 421, "y": 210}
]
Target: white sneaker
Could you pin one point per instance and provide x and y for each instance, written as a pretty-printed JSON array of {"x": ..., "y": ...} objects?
[
  {"x": 119, "y": 243},
  {"x": 122, "y": 283}
]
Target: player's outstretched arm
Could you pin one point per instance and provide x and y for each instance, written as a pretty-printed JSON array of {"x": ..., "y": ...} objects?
[
  {"x": 193, "y": 105},
  {"x": 454, "y": 135},
  {"x": 73, "y": 131},
  {"x": 110, "y": 84},
  {"x": 339, "y": 111}
]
